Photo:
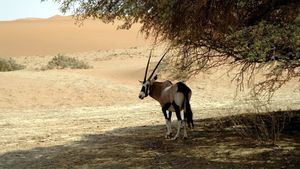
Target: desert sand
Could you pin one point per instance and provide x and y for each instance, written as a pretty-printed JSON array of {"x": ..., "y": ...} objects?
[
  {"x": 93, "y": 118},
  {"x": 58, "y": 34}
]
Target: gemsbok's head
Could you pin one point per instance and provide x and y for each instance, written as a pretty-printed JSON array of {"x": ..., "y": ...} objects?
[{"x": 147, "y": 82}]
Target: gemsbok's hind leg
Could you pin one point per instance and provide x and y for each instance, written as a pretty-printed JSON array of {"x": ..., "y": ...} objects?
[
  {"x": 179, "y": 120},
  {"x": 169, "y": 123},
  {"x": 184, "y": 125},
  {"x": 184, "y": 130}
]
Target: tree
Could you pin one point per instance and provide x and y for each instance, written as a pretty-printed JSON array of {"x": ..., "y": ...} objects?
[{"x": 249, "y": 34}]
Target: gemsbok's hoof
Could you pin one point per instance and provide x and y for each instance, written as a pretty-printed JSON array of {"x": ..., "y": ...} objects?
[
  {"x": 168, "y": 136},
  {"x": 175, "y": 138}
]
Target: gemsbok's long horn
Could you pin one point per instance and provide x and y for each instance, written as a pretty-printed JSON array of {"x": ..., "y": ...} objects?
[
  {"x": 159, "y": 63},
  {"x": 145, "y": 77}
]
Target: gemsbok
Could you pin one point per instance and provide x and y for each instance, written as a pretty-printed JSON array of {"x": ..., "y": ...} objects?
[{"x": 172, "y": 98}]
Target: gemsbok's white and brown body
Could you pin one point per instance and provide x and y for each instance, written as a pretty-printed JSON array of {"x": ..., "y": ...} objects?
[{"x": 172, "y": 98}]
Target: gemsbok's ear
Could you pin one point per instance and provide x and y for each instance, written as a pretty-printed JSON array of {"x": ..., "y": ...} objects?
[{"x": 141, "y": 81}]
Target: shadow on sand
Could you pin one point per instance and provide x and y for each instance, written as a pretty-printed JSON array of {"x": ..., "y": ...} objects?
[{"x": 145, "y": 147}]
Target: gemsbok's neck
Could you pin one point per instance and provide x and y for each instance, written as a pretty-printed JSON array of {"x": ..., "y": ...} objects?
[{"x": 157, "y": 88}]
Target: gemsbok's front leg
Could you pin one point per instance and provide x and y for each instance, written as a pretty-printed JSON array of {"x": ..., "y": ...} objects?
[{"x": 168, "y": 122}]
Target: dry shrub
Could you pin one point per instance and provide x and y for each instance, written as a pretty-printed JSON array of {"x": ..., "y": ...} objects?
[
  {"x": 262, "y": 127},
  {"x": 9, "y": 65},
  {"x": 61, "y": 62}
]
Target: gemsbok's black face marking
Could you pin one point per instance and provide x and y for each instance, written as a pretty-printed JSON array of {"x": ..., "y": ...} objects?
[{"x": 145, "y": 91}]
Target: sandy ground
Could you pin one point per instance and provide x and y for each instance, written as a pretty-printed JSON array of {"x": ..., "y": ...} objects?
[{"x": 93, "y": 118}]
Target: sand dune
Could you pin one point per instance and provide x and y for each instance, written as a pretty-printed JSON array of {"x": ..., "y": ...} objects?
[{"x": 59, "y": 34}]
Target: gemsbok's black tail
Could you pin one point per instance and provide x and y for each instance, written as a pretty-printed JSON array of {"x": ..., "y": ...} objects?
[{"x": 188, "y": 114}]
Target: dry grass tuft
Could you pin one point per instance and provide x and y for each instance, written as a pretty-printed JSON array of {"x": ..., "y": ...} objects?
[{"x": 9, "y": 65}]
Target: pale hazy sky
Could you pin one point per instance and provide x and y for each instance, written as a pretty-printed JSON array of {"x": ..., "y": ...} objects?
[{"x": 16, "y": 9}]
